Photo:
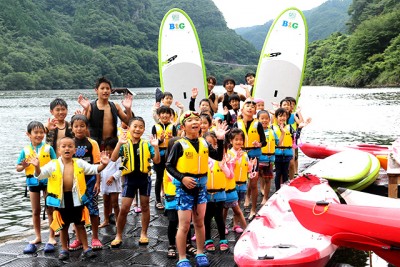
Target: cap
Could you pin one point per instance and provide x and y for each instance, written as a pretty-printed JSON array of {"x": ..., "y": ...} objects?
[
  {"x": 219, "y": 116},
  {"x": 258, "y": 100}
]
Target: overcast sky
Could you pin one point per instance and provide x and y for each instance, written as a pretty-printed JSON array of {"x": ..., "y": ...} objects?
[{"x": 245, "y": 13}]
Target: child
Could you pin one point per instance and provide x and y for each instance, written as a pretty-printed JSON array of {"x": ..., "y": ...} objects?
[
  {"x": 231, "y": 115},
  {"x": 236, "y": 188},
  {"x": 171, "y": 212},
  {"x": 218, "y": 172},
  {"x": 188, "y": 164},
  {"x": 164, "y": 130},
  {"x": 136, "y": 167},
  {"x": 218, "y": 118},
  {"x": 229, "y": 85},
  {"x": 248, "y": 87},
  {"x": 103, "y": 114},
  {"x": 267, "y": 158},
  {"x": 283, "y": 151},
  {"x": 205, "y": 125},
  {"x": 259, "y": 104},
  {"x": 45, "y": 153},
  {"x": 204, "y": 105},
  {"x": 166, "y": 100},
  {"x": 110, "y": 183},
  {"x": 254, "y": 140},
  {"x": 67, "y": 192},
  {"x": 88, "y": 150},
  {"x": 57, "y": 127}
]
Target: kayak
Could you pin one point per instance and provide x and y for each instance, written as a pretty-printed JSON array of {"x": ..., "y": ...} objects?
[
  {"x": 276, "y": 238},
  {"x": 321, "y": 151},
  {"x": 353, "y": 197},
  {"x": 360, "y": 227}
]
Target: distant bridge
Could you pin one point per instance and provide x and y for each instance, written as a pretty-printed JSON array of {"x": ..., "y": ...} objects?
[{"x": 229, "y": 64}]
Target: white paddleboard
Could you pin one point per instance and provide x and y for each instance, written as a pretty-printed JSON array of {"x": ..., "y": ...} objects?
[
  {"x": 353, "y": 197},
  {"x": 180, "y": 58},
  {"x": 282, "y": 60}
]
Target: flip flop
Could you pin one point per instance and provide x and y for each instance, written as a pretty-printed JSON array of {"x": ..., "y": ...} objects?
[
  {"x": 30, "y": 249},
  {"x": 48, "y": 248},
  {"x": 143, "y": 241},
  {"x": 116, "y": 243}
]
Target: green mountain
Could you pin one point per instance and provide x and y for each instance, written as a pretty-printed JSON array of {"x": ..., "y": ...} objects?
[
  {"x": 323, "y": 20},
  {"x": 54, "y": 44}
]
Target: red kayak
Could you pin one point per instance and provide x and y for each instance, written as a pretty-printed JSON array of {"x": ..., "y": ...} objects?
[
  {"x": 321, "y": 151},
  {"x": 360, "y": 227},
  {"x": 276, "y": 238}
]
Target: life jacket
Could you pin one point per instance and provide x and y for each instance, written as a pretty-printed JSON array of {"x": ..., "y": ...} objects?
[
  {"x": 250, "y": 136},
  {"x": 292, "y": 121},
  {"x": 216, "y": 179},
  {"x": 96, "y": 121},
  {"x": 287, "y": 144},
  {"x": 55, "y": 185},
  {"x": 168, "y": 131},
  {"x": 241, "y": 168},
  {"x": 128, "y": 159},
  {"x": 44, "y": 158},
  {"x": 271, "y": 137},
  {"x": 193, "y": 163}
]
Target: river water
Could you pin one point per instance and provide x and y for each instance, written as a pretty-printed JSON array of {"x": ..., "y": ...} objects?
[{"x": 339, "y": 115}]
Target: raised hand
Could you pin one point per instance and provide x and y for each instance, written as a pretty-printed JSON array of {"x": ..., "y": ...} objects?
[
  {"x": 123, "y": 138},
  {"x": 195, "y": 92},
  {"x": 52, "y": 123},
  {"x": 84, "y": 102},
  {"x": 104, "y": 158},
  {"x": 127, "y": 101},
  {"x": 221, "y": 130},
  {"x": 179, "y": 105},
  {"x": 226, "y": 110},
  {"x": 32, "y": 159},
  {"x": 153, "y": 140},
  {"x": 256, "y": 144}
]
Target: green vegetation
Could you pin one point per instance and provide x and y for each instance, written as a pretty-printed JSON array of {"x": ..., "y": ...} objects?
[{"x": 57, "y": 44}]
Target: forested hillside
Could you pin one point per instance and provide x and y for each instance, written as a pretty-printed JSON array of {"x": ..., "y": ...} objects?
[
  {"x": 368, "y": 56},
  {"x": 54, "y": 44},
  {"x": 322, "y": 21}
]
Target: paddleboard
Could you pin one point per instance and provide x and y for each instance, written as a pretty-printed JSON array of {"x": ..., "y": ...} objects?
[
  {"x": 345, "y": 166},
  {"x": 180, "y": 58},
  {"x": 353, "y": 197},
  {"x": 364, "y": 182},
  {"x": 282, "y": 60}
]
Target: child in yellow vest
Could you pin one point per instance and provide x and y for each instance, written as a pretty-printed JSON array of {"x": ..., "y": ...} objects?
[
  {"x": 37, "y": 148},
  {"x": 67, "y": 192},
  {"x": 188, "y": 164},
  {"x": 136, "y": 155}
]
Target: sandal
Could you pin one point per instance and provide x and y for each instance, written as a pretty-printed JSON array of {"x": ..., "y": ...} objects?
[
  {"x": 159, "y": 206},
  {"x": 64, "y": 255},
  {"x": 183, "y": 263},
  {"x": 191, "y": 250},
  {"x": 209, "y": 245},
  {"x": 116, "y": 243},
  {"x": 223, "y": 245},
  {"x": 171, "y": 252},
  {"x": 75, "y": 245},
  {"x": 237, "y": 229},
  {"x": 143, "y": 241},
  {"x": 202, "y": 260},
  {"x": 96, "y": 244}
]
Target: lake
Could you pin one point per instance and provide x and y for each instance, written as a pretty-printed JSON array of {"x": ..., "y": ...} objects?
[{"x": 339, "y": 115}]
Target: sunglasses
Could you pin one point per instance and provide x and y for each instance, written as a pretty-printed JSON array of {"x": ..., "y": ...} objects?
[
  {"x": 251, "y": 102},
  {"x": 187, "y": 115}
]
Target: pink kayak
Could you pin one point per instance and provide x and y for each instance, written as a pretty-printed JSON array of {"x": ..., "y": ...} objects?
[
  {"x": 276, "y": 238},
  {"x": 360, "y": 227}
]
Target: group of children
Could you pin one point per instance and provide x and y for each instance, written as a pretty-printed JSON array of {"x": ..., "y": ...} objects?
[{"x": 205, "y": 163}]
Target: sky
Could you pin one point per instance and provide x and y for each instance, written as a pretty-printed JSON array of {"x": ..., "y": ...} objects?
[{"x": 246, "y": 13}]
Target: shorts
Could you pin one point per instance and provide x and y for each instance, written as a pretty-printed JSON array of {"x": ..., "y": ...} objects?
[
  {"x": 232, "y": 196},
  {"x": 93, "y": 203},
  {"x": 266, "y": 170},
  {"x": 71, "y": 214},
  {"x": 142, "y": 184},
  {"x": 41, "y": 187},
  {"x": 231, "y": 204},
  {"x": 184, "y": 201},
  {"x": 241, "y": 195}
]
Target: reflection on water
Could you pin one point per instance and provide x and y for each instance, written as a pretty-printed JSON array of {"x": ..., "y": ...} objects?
[{"x": 340, "y": 115}]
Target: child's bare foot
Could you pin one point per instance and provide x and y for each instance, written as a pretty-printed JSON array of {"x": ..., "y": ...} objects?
[
  {"x": 104, "y": 224},
  {"x": 37, "y": 240},
  {"x": 264, "y": 201},
  {"x": 52, "y": 241}
]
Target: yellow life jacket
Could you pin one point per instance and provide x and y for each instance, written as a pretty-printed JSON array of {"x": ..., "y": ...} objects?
[
  {"x": 128, "y": 159},
  {"x": 269, "y": 148},
  {"x": 241, "y": 168},
  {"x": 44, "y": 157},
  {"x": 193, "y": 163},
  {"x": 55, "y": 184},
  {"x": 287, "y": 139},
  {"x": 169, "y": 187},
  {"x": 167, "y": 132},
  {"x": 216, "y": 178},
  {"x": 292, "y": 120},
  {"x": 213, "y": 128},
  {"x": 250, "y": 136}
]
